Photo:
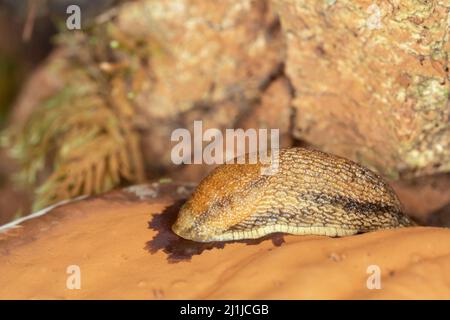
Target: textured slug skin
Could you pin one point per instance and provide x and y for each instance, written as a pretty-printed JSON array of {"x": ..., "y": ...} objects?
[{"x": 312, "y": 193}]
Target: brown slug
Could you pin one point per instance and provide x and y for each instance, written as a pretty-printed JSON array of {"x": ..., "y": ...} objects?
[{"x": 312, "y": 193}]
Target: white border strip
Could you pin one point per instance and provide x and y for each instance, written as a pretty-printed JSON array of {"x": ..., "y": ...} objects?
[{"x": 13, "y": 224}]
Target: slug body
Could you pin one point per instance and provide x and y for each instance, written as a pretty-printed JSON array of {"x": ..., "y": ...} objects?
[{"x": 311, "y": 193}]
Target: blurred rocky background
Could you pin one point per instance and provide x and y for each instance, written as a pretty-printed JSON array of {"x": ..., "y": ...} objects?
[{"x": 86, "y": 111}]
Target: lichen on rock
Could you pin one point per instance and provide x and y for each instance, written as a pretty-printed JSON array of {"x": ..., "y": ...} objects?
[{"x": 375, "y": 78}]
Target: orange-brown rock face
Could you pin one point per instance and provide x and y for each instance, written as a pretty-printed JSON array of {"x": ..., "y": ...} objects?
[
  {"x": 216, "y": 60},
  {"x": 124, "y": 248},
  {"x": 371, "y": 81}
]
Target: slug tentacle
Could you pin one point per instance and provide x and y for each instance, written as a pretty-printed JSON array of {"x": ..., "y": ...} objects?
[{"x": 311, "y": 193}]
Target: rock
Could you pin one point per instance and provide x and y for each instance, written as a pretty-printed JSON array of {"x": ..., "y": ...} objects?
[
  {"x": 372, "y": 81},
  {"x": 273, "y": 111},
  {"x": 440, "y": 217},
  {"x": 422, "y": 197},
  {"x": 124, "y": 248},
  {"x": 224, "y": 55}
]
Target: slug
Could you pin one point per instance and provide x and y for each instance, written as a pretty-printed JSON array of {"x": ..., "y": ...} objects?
[{"x": 311, "y": 193}]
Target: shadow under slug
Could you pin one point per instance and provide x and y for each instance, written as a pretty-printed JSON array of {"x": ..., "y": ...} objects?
[{"x": 179, "y": 249}]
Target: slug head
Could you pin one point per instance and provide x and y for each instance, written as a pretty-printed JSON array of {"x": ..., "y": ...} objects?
[{"x": 220, "y": 202}]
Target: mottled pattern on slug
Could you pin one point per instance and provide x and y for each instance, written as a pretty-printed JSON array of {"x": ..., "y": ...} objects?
[{"x": 312, "y": 193}]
